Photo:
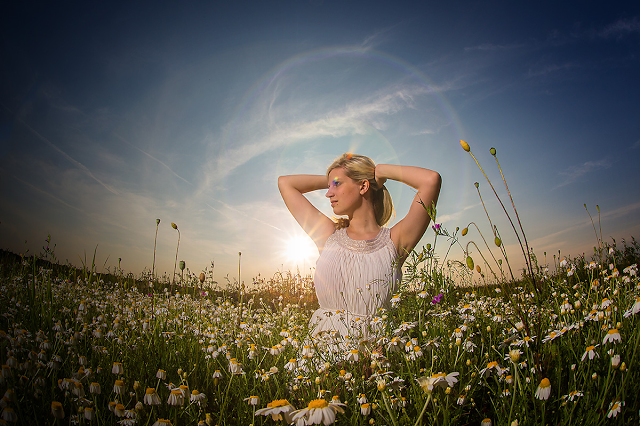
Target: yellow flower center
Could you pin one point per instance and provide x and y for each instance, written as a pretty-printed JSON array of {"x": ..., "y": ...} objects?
[
  {"x": 318, "y": 403},
  {"x": 278, "y": 403},
  {"x": 545, "y": 383},
  {"x": 590, "y": 348},
  {"x": 613, "y": 331},
  {"x": 150, "y": 391},
  {"x": 492, "y": 364}
]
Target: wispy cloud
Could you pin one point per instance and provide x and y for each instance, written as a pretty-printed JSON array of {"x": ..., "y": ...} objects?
[
  {"x": 554, "y": 240},
  {"x": 352, "y": 119},
  {"x": 548, "y": 69},
  {"x": 423, "y": 132},
  {"x": 153, "y": 158},
  {"x": 621, "y": 28},
  {"x": 377, "y": 38},
  {"x": 490, "y": 47},
  {"x": 68, "y": 157},
  {"x": 455, "y": 216},
  {"x": 48, "y": 194},
  {"x": 237, "y": 211},
  {"x": 573, "y": 173},
  {"x": 636, "y": 145}
]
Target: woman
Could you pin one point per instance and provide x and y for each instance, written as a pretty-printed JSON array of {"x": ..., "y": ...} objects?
[{"x": 360, "y": 260}]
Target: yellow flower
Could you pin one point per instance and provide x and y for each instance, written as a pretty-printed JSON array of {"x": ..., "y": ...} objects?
[
  {"x": 318, "y": 411},
  {"x": 151, "y": 397},
  {"x": 544, "y": 389},
  {"x": 612, "y": 336},
  {"x": 276, "y": 409},
  {"x": 56, "y": 410}
]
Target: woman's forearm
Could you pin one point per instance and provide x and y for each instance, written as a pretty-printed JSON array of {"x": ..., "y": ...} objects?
[
  {"x": 303, "y": 183},
  {"x": 416, "y": 177}
]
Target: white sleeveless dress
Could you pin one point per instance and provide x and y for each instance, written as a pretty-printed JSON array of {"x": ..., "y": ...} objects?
[{"x": 353, "y": 279}]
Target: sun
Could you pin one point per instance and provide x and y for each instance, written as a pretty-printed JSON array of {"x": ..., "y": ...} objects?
[{"x": 300, "y": 251}]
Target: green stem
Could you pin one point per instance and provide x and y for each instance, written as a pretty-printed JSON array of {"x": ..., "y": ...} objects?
[
  {"x": 423, "y": 410},
  {"x": 386, "y": 404}
]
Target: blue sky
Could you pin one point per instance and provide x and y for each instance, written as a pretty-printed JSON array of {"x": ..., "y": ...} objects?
[{"x": 115, "y": 114}]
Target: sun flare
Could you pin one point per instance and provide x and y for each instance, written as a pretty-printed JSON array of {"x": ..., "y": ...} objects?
[{"x": 300, "y": 251}]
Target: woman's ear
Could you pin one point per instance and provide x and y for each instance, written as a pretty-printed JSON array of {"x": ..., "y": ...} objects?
[{"x": 364, "y": 187}]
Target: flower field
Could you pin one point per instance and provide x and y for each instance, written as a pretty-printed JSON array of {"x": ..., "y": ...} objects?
[
  {"x": 76, "y": 349},
  {"x": 462, "y": 343}
]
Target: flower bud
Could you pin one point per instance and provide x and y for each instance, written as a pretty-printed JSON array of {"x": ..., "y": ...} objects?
[
  {"x": 157, "y": 221},
  {"x": 470, "y": 262},
  {"x": 465, "y": 146},
  {"x": 498, "y": 242},
  {"x": 174, "y": 226},
  {"x": 492, "y": 151},
  {"x": 202, "y": 277},
  {"x": 476, "y": 184},
  {"x": 181, "y": 265},
  {"x": 464, "y": 231},
  {"x": 478, "y": 269}
]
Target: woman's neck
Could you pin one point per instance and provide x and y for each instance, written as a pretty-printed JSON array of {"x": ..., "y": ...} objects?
[{"x": 363, "y": 227}]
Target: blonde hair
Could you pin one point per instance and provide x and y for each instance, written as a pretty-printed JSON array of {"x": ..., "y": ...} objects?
[{"x": 360, "y": 168}]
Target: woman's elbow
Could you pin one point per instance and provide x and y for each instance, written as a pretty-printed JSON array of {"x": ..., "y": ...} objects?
[{"x": 282, "y": 182}]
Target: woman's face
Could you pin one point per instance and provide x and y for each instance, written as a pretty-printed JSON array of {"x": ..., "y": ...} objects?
[{"x": 344, "y": 193}]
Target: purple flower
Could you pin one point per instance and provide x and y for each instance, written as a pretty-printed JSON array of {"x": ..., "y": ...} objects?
[
  {"x": 436, "y": 227},
  {"x": 437, "y": 299}
]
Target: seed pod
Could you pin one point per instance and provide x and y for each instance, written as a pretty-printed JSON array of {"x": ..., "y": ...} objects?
[
  {"x": 492, "y": 151},
  {"x": 465, "y": 146},
  {"x": 174, "y": 226},
  {"x": 157, "y": 221},
  {"x": 428, "y": 246},
  {"x": 478, "y": 269},
  {"x": 464, "y": 231},
  {"x": 182, "y": 265},
  {"x": 498, "y": 241},
  {"x": 202, "y": 277},
  {"x": 476, "y": 184},
  {"x": 470, "y": 262}
]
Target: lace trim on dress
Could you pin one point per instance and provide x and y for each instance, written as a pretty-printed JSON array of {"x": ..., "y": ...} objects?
[{"x": 360, "y": 246}]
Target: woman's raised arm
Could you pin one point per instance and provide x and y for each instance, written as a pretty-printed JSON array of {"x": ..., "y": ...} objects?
[
  {"x": 406, "y": 233},
  {"x": 318, "y": 226}
]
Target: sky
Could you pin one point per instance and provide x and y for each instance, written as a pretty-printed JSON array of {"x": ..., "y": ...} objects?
[{"x": 115, "y": 114}]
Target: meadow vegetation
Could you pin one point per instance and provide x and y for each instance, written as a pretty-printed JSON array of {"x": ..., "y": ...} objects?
[{"x": 556, "y": 344}]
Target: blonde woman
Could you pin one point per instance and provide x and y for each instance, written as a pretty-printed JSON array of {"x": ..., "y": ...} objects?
[{"x": 360, "y": 259}]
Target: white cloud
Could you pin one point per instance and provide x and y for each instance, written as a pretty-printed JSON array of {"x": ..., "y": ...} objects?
[
  {"x": 573, "y": 173},
  {"x": 493, "y": 47},
  {"x": 68, "y": 157},
  {"x": 621, "y": 28},
  {"x": 548, "y": 69}
]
